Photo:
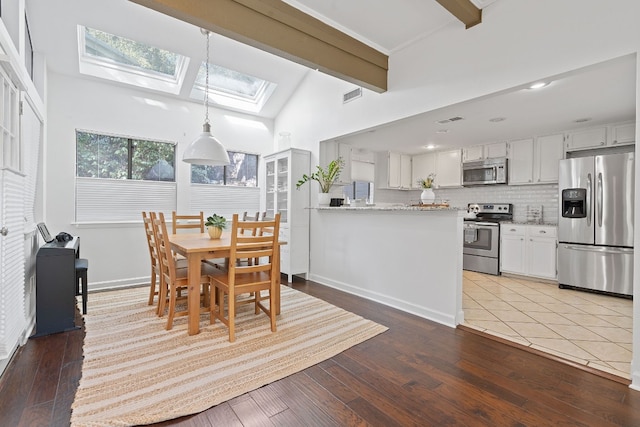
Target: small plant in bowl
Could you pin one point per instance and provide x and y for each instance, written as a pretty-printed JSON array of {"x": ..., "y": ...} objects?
[{"x": 215, "y": 224}]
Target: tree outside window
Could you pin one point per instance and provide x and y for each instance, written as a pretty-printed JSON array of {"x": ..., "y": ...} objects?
[
  {"x": 114, "y": 157},
  {"x": 241, "y": 172}
]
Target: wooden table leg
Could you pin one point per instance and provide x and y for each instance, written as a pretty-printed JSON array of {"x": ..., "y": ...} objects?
[
  {"x": 276, "y": 266},
  {"x": 193, "y": 293}
]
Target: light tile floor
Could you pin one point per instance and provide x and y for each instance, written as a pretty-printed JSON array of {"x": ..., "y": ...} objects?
[{"x": 587, "y": 328}]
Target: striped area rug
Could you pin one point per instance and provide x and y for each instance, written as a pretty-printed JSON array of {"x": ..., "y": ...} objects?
[{"x": 136, "y": 372}]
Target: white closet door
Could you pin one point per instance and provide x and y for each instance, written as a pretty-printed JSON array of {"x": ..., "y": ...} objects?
[
  {"x": 12, "y": 309},
  {"x": 12, "y": 254}
]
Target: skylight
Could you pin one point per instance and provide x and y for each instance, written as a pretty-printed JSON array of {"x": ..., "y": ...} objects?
[
  {"x": 232, "y": 89},
  {"x": 124, "y": 60}
]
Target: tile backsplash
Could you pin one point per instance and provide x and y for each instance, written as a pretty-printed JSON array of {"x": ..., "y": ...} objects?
[{"x": 520, "y": 196}]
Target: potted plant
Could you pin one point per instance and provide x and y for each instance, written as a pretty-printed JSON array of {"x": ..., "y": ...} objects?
[
  {"x": 215, "y": 224},
  {"x": 326, "y": 178},
  {"x": 427, "y": 196}
]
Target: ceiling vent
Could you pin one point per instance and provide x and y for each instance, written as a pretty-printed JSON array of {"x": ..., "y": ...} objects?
[
  {"x": 449, "y": 120},
  {"x": 350, "y": 96}
]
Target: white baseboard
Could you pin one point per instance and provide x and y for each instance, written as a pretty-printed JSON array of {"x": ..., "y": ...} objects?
[{"x": 405, "y": 306}]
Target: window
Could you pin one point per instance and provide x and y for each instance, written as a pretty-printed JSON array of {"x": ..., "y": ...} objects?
[
  {"x": 117, "y": 58},
  {"x": 230, "y": 88},
  {"x": 359, "y": 190},
  {"x": 242, "y": 172},
  {"x": 115, "y": 157},
  {"x": 117, "y": 177}
]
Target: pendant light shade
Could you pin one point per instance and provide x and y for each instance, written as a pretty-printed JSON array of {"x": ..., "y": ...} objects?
[{"x": 206, "y": 149}]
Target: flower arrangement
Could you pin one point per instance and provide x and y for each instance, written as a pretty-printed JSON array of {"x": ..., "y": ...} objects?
[
  {"x": 428, "y": 181},
  {"x": 216, "y": 221},
  {"x": 325, "y": 177}
]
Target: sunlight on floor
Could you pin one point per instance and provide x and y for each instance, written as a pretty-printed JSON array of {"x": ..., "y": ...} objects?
[{"x": 587, "y": 328}]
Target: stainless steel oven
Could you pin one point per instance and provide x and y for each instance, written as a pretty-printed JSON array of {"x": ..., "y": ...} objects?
[
  {"x": 481, "y": 247},
  {"x": 481, "y": 237}
]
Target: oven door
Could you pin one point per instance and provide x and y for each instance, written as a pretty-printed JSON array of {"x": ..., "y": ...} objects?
[{"x": 481, "y": 238}]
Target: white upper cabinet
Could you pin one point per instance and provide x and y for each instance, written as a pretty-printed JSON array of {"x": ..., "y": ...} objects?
[
  {"x": 521, "y": 161},
  {"x": 448, "y": 169},
  {"x": 535, "y": 161},
  {"x": 487, "y": 151},
  {"x": 393, "y": 170},
  {"x": 623, "y": 134},
  {"x": 470, "y": 154},
  {"x": 421, "y": 166},
  {"x": 549, "y": 151},
  {"x": 447, "y": 165},
  {"x": 587, "y": 138},
  {"x": 603, "y": 136},
  {"x": 495, "y": 150}
]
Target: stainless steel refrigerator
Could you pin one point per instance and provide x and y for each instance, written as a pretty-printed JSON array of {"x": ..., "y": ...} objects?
[{"x": 595, "y": 226}]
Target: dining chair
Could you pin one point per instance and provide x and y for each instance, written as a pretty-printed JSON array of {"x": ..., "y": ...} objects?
[
  {"x": 177, "y": 279},
  {"x": 181, "y": 222},
  {"x": 247, "y": 279},
  {"x": 156, "y": 276}
]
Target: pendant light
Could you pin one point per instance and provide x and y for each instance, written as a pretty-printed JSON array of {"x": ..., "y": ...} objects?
[{"x": 206, "y": 149}]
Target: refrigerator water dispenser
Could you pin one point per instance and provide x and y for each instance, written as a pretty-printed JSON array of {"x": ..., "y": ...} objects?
[{"x": 574, "y": 201}]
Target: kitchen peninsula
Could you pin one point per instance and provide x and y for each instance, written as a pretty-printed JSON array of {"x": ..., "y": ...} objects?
[{"x": 402, "y": 256}]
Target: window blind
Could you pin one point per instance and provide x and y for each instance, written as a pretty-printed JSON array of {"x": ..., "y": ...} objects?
[
  {"x": 112, "y": 200},
  {"x": 224, "y": 200}
]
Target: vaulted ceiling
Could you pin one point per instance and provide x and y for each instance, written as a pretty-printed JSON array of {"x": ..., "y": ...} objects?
[{"x": 370, "y": 26}]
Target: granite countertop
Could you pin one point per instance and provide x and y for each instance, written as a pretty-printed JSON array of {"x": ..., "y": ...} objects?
[
  {"x": 388, "y": 208},
  {"x": 546, "y": 224}
]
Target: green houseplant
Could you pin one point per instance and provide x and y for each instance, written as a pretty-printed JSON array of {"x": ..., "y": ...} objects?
[
  {"x": 326, "y": 177},
  {"x": 215, "y": 224}
]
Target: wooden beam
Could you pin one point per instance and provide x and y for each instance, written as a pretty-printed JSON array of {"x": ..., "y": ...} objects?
[
  {"x": 280, "y": 29},
  {"x": 464, "y": 10}
]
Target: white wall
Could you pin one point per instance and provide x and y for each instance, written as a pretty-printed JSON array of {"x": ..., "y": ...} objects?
[
  {"x": 519, "y": 41},
  {"x": 117, "y": 252}
]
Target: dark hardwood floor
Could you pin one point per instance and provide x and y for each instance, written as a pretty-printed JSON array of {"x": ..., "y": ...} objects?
[{"x": 418, "y": 373}]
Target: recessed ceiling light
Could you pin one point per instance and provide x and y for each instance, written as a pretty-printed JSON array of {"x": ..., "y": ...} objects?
[
  {"x": 538, "y": 85},
  {"x": 429, "y": 146},
  {"x": 582, "y": 120},
  {"x": 442, "y": 131},
  {"x": 497, "y": 119}
]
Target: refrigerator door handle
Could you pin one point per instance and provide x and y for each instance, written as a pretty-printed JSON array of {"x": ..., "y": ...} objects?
[
  {"x": 601, "y": 249},
  {"x": 599, "y": 199},
  {"x": 588, "y": 200}
]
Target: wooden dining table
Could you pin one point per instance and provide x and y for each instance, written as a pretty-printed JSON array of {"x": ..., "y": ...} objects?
[{"x": 196, "y": 247}]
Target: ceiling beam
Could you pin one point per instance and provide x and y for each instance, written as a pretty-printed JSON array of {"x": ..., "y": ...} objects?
[
  {"x": 280, "y": 29},
  {"x": 464, "y": 10}
]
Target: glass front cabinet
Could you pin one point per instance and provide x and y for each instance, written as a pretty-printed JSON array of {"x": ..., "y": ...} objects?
[{"x": 283, "y": 170}]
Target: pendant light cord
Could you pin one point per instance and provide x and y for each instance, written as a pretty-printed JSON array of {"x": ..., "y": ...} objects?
[{"x": 206, "y": 86}]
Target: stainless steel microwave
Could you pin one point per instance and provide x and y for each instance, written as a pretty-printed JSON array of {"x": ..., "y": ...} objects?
[{"x": 482, "y": 172}]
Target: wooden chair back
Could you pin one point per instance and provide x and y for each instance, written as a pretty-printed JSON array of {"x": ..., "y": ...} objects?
[
  {"x": 147, "y": 220},
  {"x": 165, "y": 255},
  {"x": 180, "y": 222},
  {"x": 174, "y": 278},
  {"x": 258, "y": 276}
]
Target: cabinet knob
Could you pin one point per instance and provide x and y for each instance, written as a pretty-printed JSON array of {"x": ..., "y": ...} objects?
[
  {"x": 543, "y": 232},
  {"x": 512, "y": 229}
]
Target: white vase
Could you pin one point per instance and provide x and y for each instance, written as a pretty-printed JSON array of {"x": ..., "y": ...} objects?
[
  {"x": 428, "y": 196},
  {"x": 324, "y": 199}
]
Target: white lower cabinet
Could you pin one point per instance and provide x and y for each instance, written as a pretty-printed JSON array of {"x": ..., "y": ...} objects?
[{"x": 528, "y": 250}]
